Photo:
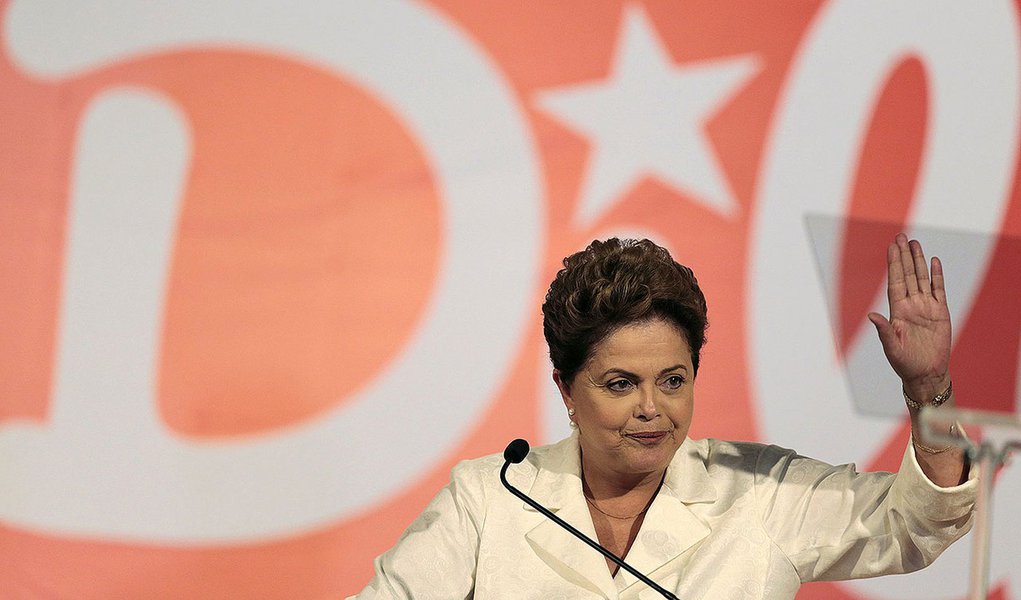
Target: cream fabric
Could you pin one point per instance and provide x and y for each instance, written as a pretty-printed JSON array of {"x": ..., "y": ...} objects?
[{"x": 731, "y": 521}]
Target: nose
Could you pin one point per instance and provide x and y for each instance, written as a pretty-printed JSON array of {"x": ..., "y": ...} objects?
[{"x": 646, "y": 408}]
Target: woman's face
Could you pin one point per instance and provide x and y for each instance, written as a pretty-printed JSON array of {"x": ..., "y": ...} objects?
[{"x": 633, "y": 400}]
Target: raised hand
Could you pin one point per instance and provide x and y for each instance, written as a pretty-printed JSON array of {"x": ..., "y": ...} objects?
[{"x": 916, "y": 338}]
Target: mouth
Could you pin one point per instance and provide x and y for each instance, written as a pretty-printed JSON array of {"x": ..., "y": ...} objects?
[{"x": 648, "y": 438}]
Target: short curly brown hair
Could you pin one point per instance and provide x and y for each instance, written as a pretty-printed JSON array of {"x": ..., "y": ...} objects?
[{"x": 612, "y": 284}]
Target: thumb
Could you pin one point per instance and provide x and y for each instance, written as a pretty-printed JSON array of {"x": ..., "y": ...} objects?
[{"x": 883, "y": 326}]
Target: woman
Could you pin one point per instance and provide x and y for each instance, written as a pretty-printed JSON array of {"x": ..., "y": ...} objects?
[{"x": 709, "y": 519}]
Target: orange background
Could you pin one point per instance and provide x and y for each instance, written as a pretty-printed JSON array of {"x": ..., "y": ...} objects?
[{"x": 310, "y": 234}]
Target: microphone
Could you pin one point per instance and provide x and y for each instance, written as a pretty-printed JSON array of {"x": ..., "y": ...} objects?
[{"x": 516, "y": 452}]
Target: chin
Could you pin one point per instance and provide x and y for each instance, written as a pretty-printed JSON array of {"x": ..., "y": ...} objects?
[{"x": 651, "y": 462}]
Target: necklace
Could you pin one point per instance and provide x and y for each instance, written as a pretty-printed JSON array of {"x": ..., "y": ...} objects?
[{"x": 593, "y": 505}]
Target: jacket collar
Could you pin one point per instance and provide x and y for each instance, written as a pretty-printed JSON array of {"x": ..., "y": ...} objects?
[{"x": 670, "y": 527}]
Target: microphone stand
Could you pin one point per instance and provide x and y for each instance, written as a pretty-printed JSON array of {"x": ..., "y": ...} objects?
[
  {"x": 580, "y": 535},
  {"x": 1001, "y": 433}
]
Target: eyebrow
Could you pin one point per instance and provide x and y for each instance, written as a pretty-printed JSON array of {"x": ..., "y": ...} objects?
[{"x": 636, "y": 376}]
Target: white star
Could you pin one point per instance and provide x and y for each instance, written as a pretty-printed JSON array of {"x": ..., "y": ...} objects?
[{"x": 648, "y": 119}]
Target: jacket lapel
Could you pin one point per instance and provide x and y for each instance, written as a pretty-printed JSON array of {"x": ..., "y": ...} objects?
[
  {"x": 671, "y": 528},
  {"x": 557, "y": 486}
]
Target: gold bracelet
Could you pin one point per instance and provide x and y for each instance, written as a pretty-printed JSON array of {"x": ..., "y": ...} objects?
[
  {"x": 931, "y": 450},
  {"x": 936, "y": 401}
]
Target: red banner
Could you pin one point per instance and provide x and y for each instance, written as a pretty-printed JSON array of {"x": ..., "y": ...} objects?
[{"x": 272, "y": 269}]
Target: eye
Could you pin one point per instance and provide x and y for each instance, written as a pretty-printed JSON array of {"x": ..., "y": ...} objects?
[
  {"x": 673, "y": 382},
  {"x": 619, "y": 385}
]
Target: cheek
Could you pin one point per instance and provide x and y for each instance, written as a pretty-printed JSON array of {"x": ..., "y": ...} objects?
[
  {"x": 609, "y": 416},
  {"x": 683, "y": 411}
]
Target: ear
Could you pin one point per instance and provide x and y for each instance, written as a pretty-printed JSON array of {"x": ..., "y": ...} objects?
[{"x": 565, "y": 389}]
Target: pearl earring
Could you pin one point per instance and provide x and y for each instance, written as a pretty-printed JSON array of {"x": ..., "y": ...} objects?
[{"x": 570, "y": 413}]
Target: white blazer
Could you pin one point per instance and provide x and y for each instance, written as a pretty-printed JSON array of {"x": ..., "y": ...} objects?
[{"x": 732, "y": 520}]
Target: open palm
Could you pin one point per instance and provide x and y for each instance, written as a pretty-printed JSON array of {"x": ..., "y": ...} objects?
[{"x": 916, "y": 337}]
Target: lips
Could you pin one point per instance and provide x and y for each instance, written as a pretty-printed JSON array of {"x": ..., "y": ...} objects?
[{"x": 648, "y": 437}]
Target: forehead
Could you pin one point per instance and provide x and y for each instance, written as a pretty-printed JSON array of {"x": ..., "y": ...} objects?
[{"x": 654, "y": 344}]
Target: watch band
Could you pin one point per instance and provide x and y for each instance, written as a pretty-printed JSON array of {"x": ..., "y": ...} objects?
[{"x": 936, "y": 401}]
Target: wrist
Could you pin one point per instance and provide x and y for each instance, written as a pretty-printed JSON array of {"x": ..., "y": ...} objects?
[
  {"x": 923, "y": 389},
  {"x": 930, "y": 394}
]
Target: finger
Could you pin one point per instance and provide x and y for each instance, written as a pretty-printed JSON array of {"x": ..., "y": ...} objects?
[
  {"x": 938, "y": 288},
  {"x": 895, "y": 288},
  {"x": 907, "y": 265},
  {"x": 921, "y": 269}
]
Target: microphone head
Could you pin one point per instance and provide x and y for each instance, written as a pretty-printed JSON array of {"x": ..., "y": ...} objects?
[{"x": 516, "y": 451}]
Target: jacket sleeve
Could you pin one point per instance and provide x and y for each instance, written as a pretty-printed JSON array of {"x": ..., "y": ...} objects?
[
  {"x": 436, "y": 556},
  {"x": 833, "y": 523}
]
